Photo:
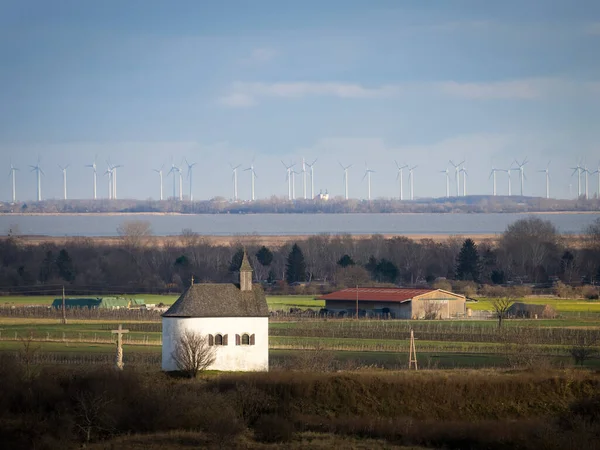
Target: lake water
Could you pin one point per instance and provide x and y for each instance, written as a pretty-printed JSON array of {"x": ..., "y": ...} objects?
[{"x": 291, "y": 224}]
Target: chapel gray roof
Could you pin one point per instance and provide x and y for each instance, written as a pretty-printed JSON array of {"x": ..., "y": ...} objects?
[{"x": 219, "y": 300}]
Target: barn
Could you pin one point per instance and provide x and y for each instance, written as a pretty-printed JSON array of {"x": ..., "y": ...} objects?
[
  {"x": 234, "y": 317},
  {"x": 398, "y": 303}
]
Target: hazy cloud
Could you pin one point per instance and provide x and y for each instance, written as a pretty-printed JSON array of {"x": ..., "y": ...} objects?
[
  {"x": 593, "y": 28},
  {"x": 260, "y": 55},
  {"x": 245, "y": 94}
]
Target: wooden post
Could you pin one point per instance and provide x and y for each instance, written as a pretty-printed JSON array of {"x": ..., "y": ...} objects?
[
  {"x": 412, "y": 354},
  {"x": 64, "y": 309},
  {"x": 119, "y": 332},
  {"x": 356, "y": 302}
]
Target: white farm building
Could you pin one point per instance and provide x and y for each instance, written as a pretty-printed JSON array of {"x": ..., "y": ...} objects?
[{"x": 234, "y": 317}]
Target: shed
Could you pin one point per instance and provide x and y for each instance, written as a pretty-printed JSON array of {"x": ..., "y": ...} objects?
[
  {"x": 399, "y": 303},
  {"x": 530, "y": 311}
]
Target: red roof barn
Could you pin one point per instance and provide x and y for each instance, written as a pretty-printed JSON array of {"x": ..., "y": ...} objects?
[{"x": 399, "y": 303}]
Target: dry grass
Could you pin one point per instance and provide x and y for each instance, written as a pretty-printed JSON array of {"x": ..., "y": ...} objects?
[{"x": 193, "y": 440}]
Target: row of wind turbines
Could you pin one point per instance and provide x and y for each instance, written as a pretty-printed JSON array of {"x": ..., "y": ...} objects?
[
  {"x": 308, "y": 178},
  {"x": 111, "y": 171}
]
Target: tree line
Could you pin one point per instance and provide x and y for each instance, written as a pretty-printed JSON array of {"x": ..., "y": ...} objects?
[
  {"x": 530, "y": 251},
  {"x": 336, "y": 205}
]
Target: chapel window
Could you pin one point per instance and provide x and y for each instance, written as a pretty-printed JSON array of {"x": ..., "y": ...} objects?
[
  {"x": 245, "y": 339},
  {"x": 218, "y": 339}
]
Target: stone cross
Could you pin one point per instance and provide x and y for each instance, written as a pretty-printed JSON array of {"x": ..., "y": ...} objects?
[{"x": 119, "y": 332}]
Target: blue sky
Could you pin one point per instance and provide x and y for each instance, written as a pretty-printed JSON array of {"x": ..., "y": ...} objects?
[{"x": 144, "y": 83}]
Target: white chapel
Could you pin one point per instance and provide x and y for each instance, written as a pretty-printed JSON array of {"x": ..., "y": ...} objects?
[{"x": 235, "y": 317}]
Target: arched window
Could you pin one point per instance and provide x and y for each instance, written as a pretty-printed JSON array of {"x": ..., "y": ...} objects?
[
  {"x": 218, "y": 339},
  {"x": 245, "y": 339}
]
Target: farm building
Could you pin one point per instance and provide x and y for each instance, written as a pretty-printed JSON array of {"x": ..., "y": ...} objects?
[
  {"x": 398, "y": 303},
  {"x": 529, "y": 311},
  {"x": 234, "y": 317},
  {"x": 100, "y": 302}
]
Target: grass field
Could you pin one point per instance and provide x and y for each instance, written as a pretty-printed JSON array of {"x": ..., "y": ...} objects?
[
  {"x": 275, "y": 302},
  {"x": 561, "y": 305}
]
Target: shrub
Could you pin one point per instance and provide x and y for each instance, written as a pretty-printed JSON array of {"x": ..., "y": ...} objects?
[
  {"x": 467, "y": 288},
  {"x": 271, "y": 428},
  {"x": 562, "y": 290},
  {"x": 443, "y": 285},
  {"x": 493, "y": 291},
  {"x": 589, "y": 292}
]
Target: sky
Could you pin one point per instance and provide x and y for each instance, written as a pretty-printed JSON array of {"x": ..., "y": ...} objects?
[{"x": 146, "y": 83}]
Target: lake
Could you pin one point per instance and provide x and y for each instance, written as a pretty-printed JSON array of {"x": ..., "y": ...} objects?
[{"x": 286, "y": 224}]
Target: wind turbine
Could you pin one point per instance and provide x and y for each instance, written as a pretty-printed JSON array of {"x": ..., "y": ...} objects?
[
  {"x": 345, "y": 169},
  {"x": 447, "y": 172},
  {"x": 509, "y": 179},
  {"x": 109, "y": 172},
  {"x": 578, "y": 171},
  {"x": 252, "y": 177},
  {"x": 304, "y": 178},
  {"x": 311, "y": 166},
  {"x": 411, "y": 180},
  {"x": 597, "y": 171},
  {"x": 463, "y": 170},
  {"x": 93, "y": 166},
  {"x": 368, "y": 173},
  {"x": 457, "y": 175},
  {"x": 294, "y": 173},
  {"x": 160, "y": 174},
  {"x": 64, "y": 173},
  {"x": 399, "y": 176},
  {"x": 521, "y": 168},
  {"x": 173, "y": 172},
  {"x": 493, "y": 175},
  {"x": 235, "y": 186},
  {"x": 547, "y": 172},
  {"x": 288, "y": 177},
  {"x": 12, "y": 174},
  {"x": 586, "y": 172},
  {"x": 39, "y": 173},
  {"x": 189, "y": 175}
]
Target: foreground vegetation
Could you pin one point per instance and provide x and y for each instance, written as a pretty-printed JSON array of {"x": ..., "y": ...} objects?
[{"x": 54, "y": 407}]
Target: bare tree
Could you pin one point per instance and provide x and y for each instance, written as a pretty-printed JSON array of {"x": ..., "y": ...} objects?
[
  {"x": 432, "y": 309},
  {"x": 500, "y": 307},
  {"x": 193, "y": 354},
  {"x": 583, "y": 350},
  {"x": 27, "y": 354},
  {"x": 91, "y": 413},
  {"x": 135, "y": 233}
]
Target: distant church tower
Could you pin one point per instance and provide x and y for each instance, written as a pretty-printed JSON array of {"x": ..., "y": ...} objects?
[{"x": 245, "y": 274}]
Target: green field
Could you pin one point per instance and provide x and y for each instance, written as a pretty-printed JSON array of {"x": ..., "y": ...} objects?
[
  {"x": 561, "y": 305},
  {"x": 275, "y": 302},
  {"x": 285, "y": 302}
]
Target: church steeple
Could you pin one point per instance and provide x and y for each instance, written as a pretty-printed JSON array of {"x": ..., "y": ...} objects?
[{"x": 245, "y": 274}]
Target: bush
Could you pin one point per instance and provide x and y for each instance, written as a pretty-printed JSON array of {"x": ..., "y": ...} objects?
[
  {"x": 443, "y": 285},
  {"x": 563, "y": 290},
  {"x": 466, "y": 288},
  {"x": 493, "y": 291},
  {"x": 589, "y": 292},
  {"x": 271, "y": 428}
]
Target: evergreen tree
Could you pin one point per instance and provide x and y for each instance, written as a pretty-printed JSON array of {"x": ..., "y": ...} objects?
[
  {"x": 64, "y": 263},
  {"x": 387, "y": 271},
  {"x": 345, "y": 261},
  {"x": 236, "y": 260},
  {"x": 468, "y": 262},
  {"x": 295, "y": 269},
  {"x": 264, "y": 256}
]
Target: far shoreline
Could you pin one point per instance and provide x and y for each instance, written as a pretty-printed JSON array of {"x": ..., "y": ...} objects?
[{"x": 158, "y": 214}]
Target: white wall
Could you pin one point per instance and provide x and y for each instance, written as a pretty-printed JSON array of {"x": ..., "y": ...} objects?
[{"x": 230, "y": 357}]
